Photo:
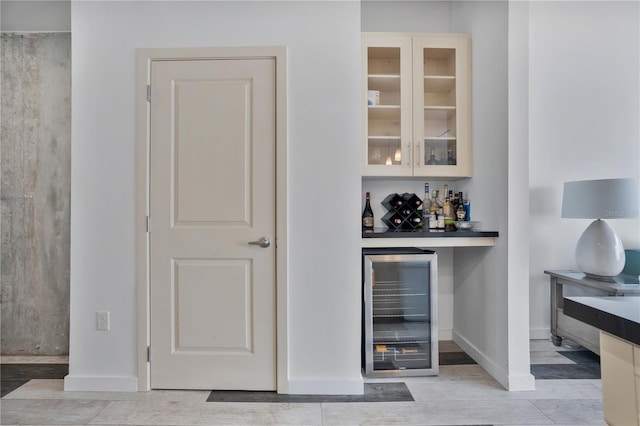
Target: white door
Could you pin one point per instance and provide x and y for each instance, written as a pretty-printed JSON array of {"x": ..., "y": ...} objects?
[{"x": 212, "y": 193}]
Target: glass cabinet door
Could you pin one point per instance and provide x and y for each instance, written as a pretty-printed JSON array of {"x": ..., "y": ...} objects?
[
  {"x": 402, "y": 317},
  {"x": 388, "y": 105},
  {"x": 441, "y": 107}
]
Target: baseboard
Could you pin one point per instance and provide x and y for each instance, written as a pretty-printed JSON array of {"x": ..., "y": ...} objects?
[
  {"x": 539, "y": 333},
  {"x": 522, "y": 382},
  {"x": 498, "y": 372},
  {"x": 100, "y": 383},
  {"x": 326, "y": 387}
]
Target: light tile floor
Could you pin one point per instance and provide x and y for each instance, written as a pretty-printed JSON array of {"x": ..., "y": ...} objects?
[{"x": 460, "y": 395}]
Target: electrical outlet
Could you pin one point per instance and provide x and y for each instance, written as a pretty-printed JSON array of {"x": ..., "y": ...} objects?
[{"x": 102, "y": 321}]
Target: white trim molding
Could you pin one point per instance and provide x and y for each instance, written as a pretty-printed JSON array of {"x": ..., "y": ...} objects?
[{"x": 73, "y": 383}]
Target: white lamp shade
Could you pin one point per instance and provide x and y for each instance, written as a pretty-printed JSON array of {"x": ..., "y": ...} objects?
[
  {"x": 601, "y": 199},
  {"x": 599, "y": 251}
]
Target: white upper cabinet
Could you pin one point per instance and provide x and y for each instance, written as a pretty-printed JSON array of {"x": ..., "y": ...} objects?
[{"x": 417, "y": 105}]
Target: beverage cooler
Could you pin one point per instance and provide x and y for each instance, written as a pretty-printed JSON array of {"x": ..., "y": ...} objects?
[{"x": 400, "y": 314}]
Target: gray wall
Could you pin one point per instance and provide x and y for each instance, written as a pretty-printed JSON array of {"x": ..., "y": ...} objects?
[{"x": 35, "y": 193}]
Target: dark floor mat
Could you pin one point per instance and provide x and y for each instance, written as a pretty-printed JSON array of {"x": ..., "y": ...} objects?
[
  {"x": 12, "y": 376},
  {"x": 33, "y": 371},
  {"x": 373, "y": 392},
  {"x": 455, "y": 358},
  {"x": 565, "y": 371},
  {"x": 7, "y": 386},
  {"x": 581, "y": 357}
]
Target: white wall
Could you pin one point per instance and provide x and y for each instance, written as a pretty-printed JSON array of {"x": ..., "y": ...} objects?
[
  {"x": 323, "y": 130},
  {"x": 584, "y": 109}
]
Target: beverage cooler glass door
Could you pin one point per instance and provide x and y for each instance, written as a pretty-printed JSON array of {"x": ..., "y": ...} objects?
[{"x": 400, "y": 313}]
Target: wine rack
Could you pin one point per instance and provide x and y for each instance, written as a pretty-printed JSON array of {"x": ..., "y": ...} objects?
[{"x": 402, "y": 211}]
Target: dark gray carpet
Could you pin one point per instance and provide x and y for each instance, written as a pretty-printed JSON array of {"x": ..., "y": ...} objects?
[
  {"x": 12, "y": 376},
  {"x": 455, "y": 358},
  {"x": 373, "y": 392},
  {"x": 587, "y": 366}
]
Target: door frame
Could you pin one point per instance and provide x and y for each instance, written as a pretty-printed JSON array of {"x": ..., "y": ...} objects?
[{"x": 144, "y": 59}]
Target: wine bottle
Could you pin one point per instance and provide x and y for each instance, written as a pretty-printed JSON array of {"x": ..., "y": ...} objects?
[
  {"x": 461, "y": 213},
  {"x": 367, "y": 215}
]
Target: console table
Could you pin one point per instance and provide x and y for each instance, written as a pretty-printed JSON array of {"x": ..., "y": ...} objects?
[{"x": 563, "y": 326}]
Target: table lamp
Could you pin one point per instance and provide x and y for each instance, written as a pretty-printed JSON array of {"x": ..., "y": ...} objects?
[{"x": 599, "y": 252}]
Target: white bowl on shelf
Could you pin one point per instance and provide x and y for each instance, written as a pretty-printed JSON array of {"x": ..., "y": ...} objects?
[{"x": 465, "y": 226}]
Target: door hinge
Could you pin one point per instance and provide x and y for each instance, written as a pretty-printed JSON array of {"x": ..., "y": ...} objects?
[
  {"x": 148, "y": 223},
  {"x": 148, "y": 353},
  {"x": 148, "y": 93}
]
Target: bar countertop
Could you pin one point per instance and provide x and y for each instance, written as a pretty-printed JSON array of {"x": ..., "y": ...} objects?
[
  {"x": 383, "y": 237},
  {"x": 616, "y": 315}
]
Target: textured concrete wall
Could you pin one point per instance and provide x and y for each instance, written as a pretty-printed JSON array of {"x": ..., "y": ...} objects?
[{"x": 35, "y": 193}]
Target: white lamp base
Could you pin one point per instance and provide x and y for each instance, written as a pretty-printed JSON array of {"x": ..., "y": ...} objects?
[{"x": 599, "y": 251}]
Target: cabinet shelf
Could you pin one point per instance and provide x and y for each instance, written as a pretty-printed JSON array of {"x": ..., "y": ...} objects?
[
  {"x": 384, "y": 138},
  {"x": 384, "y": 112},
  {"x": 384, "y": 82},
  {"x": 439, "y": 84},
  {"x": 440, "y": 107}
]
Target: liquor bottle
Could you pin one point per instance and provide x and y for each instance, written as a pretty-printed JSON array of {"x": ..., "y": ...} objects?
[
  {"x": 467, "y": 210},
  {"x": 440, "y": 219},
  {"x": 445, "y": 193},
  {"x": 432, "y": 157},
  {"x": 446, "y": 205},
  {"x": 448, "y": 212},
  {"x": 461, "y": 213},
  {"x": 435, "y": 201},
  {"x": 426, "y": 205},
  {"x": 433, "y": 220},
  {"x": 367, "y": 216},
  {"x": 454, "y": 203}
]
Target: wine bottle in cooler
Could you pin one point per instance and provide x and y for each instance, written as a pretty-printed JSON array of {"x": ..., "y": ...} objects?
[{"x": 367, "y": 215}]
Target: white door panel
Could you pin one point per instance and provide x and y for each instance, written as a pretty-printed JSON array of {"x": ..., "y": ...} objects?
[{"x": 212, "y": 191}]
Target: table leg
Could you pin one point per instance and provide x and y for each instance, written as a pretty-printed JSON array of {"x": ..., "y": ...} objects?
[{"x": 556, "y": 300}]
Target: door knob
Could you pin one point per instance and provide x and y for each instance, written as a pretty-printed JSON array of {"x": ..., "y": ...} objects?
[{"x": 263, "y": 242}]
